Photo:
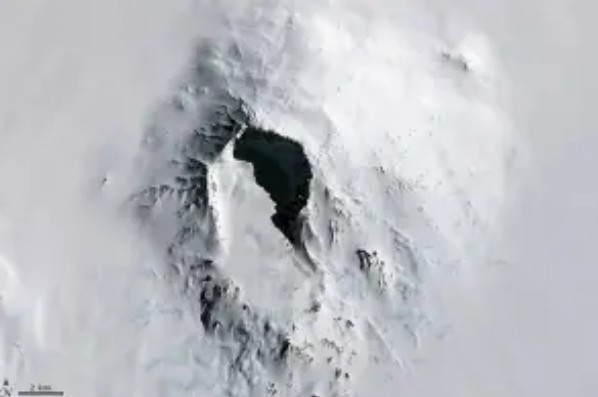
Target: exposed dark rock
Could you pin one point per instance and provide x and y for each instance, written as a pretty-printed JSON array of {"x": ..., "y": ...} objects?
[
  {"x": 375, "y": 270},
  {"x": 281, "y": 168},
  {"x": 456, "y": 60},
  {"x": 284, "y": 349},
  {"x": 366, "y": 259},
  {"x": 315, "y": 307},
  {"x": 223, "y": 315}
]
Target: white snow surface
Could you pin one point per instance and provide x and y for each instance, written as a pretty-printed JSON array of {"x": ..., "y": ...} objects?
[{"x": 404, "y": 126}]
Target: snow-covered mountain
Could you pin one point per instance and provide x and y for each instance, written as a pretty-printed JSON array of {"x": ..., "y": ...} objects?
[
  {"x": 404, "y": 152},
  {"x": 308, "y": 173}
]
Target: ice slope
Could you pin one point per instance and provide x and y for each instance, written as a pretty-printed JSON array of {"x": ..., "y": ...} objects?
[{"x": 166, "y": 274}]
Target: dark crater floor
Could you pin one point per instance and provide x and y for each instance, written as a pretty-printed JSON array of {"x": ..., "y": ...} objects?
[{"x": 281, "y": 168}]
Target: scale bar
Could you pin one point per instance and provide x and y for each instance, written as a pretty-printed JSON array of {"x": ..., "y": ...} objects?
[{"x": 41, "y": 393}]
